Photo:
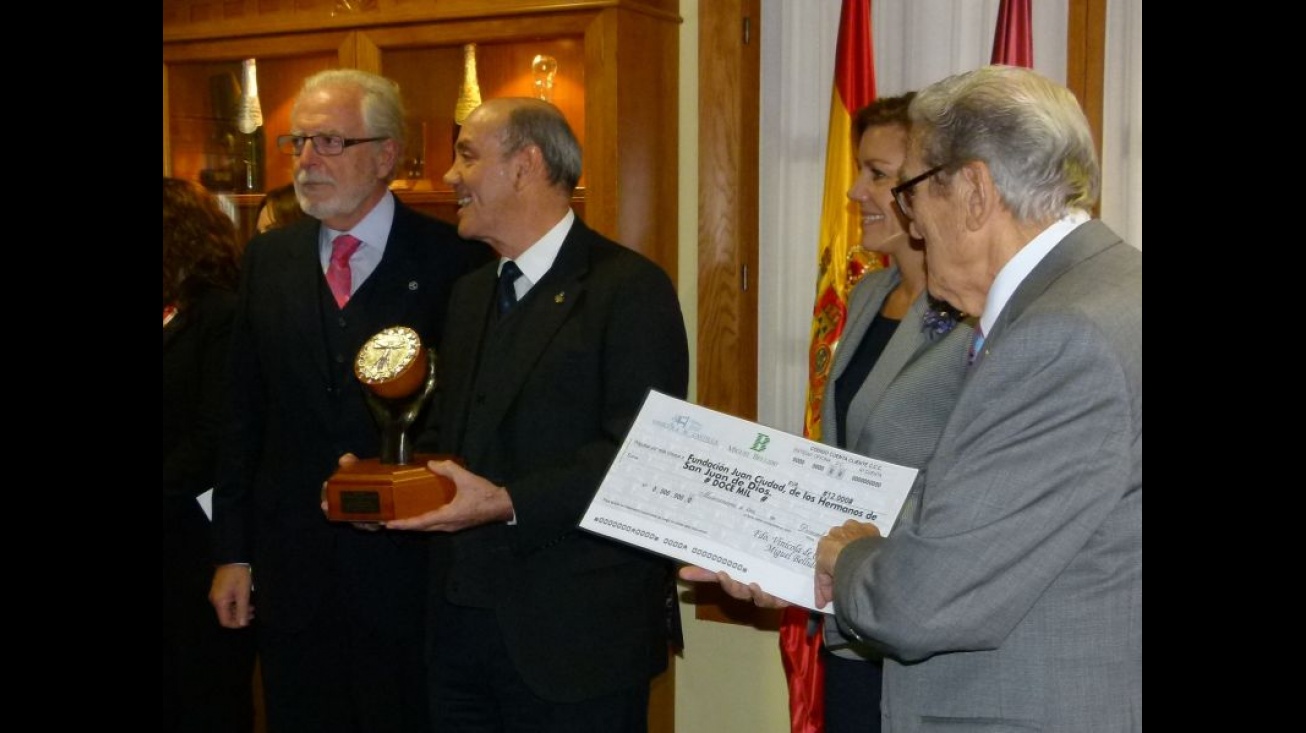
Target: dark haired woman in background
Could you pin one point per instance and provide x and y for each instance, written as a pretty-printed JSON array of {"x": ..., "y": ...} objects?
[
  {"x": 207, "y": 670},
  {"x": 279, "y": 207}
]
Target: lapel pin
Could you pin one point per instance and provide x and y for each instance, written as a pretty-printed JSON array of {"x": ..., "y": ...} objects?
[
  {"x": 560, "y": 297},
  {"x": 412, "y": 284}
]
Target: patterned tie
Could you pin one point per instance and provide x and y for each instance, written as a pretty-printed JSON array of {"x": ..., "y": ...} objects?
[
  {"x": 507, "y": 295},
  {"x": 975, "y": 345},
  {"x": 338, "y": 275}
]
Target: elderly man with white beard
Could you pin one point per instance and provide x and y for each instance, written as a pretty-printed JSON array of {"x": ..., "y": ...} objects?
[{"x": 340, "y": 609}]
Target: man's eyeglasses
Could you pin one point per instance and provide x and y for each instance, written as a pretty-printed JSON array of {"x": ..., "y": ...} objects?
[
  {"x": 322, "y": 144},
  {"x": 903, "y": 193}
]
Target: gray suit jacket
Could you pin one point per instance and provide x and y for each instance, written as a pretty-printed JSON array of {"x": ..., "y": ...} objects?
[
  {"x": 1012, "y": 600},
  {"x": 899, "y": 410}
]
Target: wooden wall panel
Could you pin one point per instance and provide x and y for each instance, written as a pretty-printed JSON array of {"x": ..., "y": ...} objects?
[
  {"x": 1086, "y": 60},
  {"x": 648, "y": 150},
  {"x": 728, "y": 97},
  {"x": 603, "y": 139},
  {"x": 727, "y": 202}
]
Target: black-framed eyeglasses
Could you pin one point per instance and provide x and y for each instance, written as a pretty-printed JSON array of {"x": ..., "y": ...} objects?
[
  {"x": 322, "y": 144},
  {"x": 903, "y": 193}
]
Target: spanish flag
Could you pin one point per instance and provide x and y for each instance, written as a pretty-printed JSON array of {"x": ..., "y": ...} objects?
[{"x": 841, "y": 263}]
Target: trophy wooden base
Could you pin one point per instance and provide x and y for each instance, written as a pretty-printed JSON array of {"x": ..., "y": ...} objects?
[{"x": 369, "y": 491}]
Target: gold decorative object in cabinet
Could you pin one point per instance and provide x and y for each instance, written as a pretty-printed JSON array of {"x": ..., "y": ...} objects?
[{"x": 615, "y": 78}]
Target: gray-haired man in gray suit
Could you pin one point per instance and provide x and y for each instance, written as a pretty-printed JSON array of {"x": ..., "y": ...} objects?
[
  {"x": 1009, "y": 597},
  {"x": 1012, "y": 598}
]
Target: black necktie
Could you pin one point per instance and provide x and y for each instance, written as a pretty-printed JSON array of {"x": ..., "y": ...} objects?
[{"x": 507, "y": 296}]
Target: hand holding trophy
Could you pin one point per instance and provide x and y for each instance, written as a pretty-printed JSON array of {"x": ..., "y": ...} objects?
[{"x": 398, "y": 376}]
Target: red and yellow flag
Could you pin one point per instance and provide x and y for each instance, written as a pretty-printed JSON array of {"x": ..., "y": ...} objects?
[{"x": 841, "y": 263}]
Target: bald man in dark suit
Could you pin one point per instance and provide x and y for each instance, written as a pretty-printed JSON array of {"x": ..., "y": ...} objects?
[{"x": 548, "y": 356}]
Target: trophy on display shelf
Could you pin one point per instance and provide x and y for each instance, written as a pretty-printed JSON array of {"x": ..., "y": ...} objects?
[
  {"x": 249, "y": 123},
  {"x": 398, "y": 377},
  {"x": 469, "y": 92}
]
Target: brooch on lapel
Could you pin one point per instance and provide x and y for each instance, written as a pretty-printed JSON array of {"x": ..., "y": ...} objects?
[
  {"x": 412, "y": 284},
  {"x": 940, "y": 317},
  {"x": 560, "y": 297}
]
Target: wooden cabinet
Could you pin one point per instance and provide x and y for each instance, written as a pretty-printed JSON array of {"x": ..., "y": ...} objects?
[{"x": 616, "y": 83}]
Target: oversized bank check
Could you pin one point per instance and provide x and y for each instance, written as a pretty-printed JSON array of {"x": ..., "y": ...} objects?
[{"x": 727, "y": 494}]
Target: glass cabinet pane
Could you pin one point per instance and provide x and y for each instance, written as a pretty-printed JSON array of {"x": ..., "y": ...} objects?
[
  {"x": 205, "y": 145},
  {"x": 431, "y": 77}
]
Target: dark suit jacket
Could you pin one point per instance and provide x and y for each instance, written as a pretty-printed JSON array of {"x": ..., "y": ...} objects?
[
  {"x": 539, "y": 401},
  {"x": 206, "y": 669},
  {"x": 194, "y": 397},
  {"x": 297, "y": 409},
  {"x": 1013, "y": 599}
]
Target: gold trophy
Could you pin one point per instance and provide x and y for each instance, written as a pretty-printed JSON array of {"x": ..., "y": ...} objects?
[{"x": 398, "y": 375}]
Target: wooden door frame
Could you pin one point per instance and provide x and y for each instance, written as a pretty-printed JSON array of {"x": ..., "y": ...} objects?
[{"x": 729, "y": 98}]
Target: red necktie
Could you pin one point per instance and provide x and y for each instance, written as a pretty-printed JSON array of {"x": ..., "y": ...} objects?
[{"x": 338, "y": 274}]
